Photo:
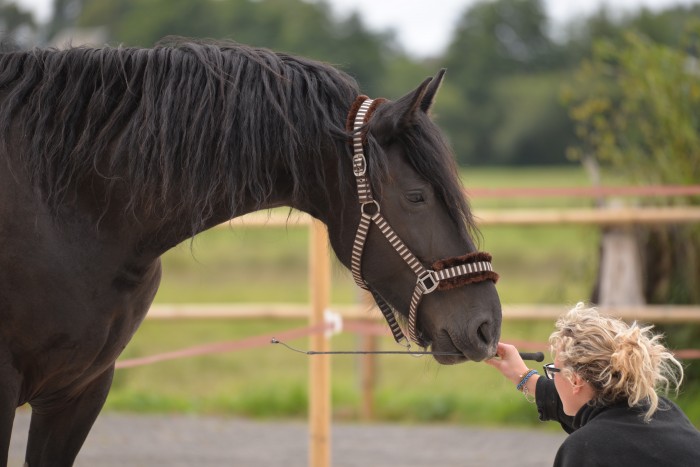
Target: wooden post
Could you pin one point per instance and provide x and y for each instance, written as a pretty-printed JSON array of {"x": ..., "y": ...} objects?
[
  {"x": 368, "y": 376},
  {"x": 368, "y": 368},
  {"x": 319, "y": 365},
  {"x": 620, "y": 281}
]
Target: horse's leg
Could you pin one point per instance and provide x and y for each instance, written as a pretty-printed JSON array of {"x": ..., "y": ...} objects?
[
  {"x": 10, "y": 386},
  {"x": 7, "y": 417},
  {"x": 8, "y": 405},
  {"x": 9, "y": 398},
  {"x": 57, "y": 432}
]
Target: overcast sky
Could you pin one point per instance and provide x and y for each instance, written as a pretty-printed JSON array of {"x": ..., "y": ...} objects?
[{"x": 424, "y": 27}]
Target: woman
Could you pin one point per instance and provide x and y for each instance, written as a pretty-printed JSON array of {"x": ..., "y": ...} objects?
[{"x": 602, "y": 389}]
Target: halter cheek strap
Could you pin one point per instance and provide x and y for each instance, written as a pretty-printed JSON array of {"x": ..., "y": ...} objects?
[{"x": 446, "y": 274}]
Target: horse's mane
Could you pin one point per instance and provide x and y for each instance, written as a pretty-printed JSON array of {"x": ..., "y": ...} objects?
[
  {"x": 195, "y": 119},
  {"x": 184, "y": 121}
]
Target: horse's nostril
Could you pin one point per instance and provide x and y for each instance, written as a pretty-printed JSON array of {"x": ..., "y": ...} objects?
[{"x": 483, "y": 332}]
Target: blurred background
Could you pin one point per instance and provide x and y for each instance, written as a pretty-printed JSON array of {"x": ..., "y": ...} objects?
[{"x": 539, "y": 94}]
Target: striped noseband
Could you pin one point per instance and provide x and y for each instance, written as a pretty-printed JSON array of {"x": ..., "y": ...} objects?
[{"x": 444, "y": 274}]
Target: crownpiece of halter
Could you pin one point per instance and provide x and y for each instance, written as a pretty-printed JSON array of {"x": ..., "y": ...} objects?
[{"x": 445, "y": 274}]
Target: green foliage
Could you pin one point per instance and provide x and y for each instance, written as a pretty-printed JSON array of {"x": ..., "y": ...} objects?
[
  {"x": 266, "y": 402},
  {"x": 148, "y": 402},
  {"x": 507, "y": 70},
  {"x": 637, "y": 111},
  {"x": 534, "y": 125},
  {"x": 508, "y": 111},
  {"x": 497, "y": 38},
  {"x": 13, "y": 19},
  {"x": 637, "y": 108},
  {"x": 294, "y": 26},
  {"x": 664, "y": 27}
]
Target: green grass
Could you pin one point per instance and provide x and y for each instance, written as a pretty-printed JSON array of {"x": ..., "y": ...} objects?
[
  {"x": 271, "y": 381},
  {"x": 221, "y": 266},
  {"x": 548, "y": 265}
]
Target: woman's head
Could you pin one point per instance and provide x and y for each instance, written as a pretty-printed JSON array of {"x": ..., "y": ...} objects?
[{"x": 619, "y": 361}]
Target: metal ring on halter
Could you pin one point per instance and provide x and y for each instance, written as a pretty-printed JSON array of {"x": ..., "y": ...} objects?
[
  {"x": 428, "y": 281},
  {"x": 362, "y": 207}
]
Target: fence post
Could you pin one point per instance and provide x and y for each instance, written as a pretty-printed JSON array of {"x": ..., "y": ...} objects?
[
  {"x": 368, "y": 364},
  {"x": 319, "y": 365},
  {"x": 368, "y": 376}
]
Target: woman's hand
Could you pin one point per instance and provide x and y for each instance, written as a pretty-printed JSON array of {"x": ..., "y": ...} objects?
[{"x": 508, "y": 362}]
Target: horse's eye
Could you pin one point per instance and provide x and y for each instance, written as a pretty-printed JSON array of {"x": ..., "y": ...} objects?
[{"x": 415, "y": 196}]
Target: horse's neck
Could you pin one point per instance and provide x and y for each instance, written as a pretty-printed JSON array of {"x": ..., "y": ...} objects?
[
  {"x": 166, "y": 233},
  {"x": 311, "y": 185}
]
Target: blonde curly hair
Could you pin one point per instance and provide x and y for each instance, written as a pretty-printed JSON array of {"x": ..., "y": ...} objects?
[{"x": 620, "y": 361}]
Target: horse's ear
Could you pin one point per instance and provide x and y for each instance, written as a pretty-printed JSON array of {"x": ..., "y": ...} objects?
[
  {"x": 421, "y": 98},
  {"x": 399, "y": 114},
  {"x": 408, "y": 105},
  {"x": 431, "y": 91}
]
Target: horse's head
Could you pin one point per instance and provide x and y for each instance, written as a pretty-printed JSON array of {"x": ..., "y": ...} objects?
[{"x": 412, "y": 182}]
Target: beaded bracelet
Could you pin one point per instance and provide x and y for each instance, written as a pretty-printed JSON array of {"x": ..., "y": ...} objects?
[{"x": 527, "y": 376}]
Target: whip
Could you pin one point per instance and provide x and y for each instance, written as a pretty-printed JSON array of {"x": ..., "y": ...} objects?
[{"x": 536, "y": 356}]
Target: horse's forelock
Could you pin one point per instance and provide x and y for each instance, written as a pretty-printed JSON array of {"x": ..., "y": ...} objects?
[
  {"x": 426, "y": 150},
  {"x": 431, "y": 156}
]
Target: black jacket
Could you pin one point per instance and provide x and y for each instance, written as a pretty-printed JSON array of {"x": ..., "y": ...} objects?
[{"x": 617, "y": 435}]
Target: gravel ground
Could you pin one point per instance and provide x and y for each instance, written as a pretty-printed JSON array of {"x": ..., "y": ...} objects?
[{"x": 179, "y": 441}]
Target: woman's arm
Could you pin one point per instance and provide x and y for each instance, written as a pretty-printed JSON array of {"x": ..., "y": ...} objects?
[{"x": 549, "y": 406}]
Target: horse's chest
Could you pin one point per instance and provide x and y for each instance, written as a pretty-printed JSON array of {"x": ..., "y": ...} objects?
[{"x": 67, "y": 320}]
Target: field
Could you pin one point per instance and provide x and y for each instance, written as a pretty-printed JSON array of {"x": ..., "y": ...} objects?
[{"x": 546, "y": 265}]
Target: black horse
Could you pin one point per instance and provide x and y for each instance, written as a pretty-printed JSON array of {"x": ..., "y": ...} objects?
[{"x": 111, "y": 156}]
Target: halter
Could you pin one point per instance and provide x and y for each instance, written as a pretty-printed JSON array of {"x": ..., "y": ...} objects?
[{"x": 445, "y": 274}]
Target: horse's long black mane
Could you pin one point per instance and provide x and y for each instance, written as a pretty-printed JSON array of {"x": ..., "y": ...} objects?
[{"x": 182, "y": 123}]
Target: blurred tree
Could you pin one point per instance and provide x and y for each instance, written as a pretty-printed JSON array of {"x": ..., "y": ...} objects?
[
  {"x": 295, "y": 26},
  {"x": 501, "y": 59},
  {"x": 637, "y": 111},
  {"x": 637, "y": 108},
  {"x": 15, "y": 23},
  {"x": 665, "y": 27},
  {"x": 508, "y": 73},
  {"x": 499, "y": 37},
  {"x": 536, "y": 128},
  {"x": 65, "y": 13}
]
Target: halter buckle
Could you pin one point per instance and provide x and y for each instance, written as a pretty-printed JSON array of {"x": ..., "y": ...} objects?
[
  {"x": 428, "y": 281},
  {"x": 359, "y": 164}
]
